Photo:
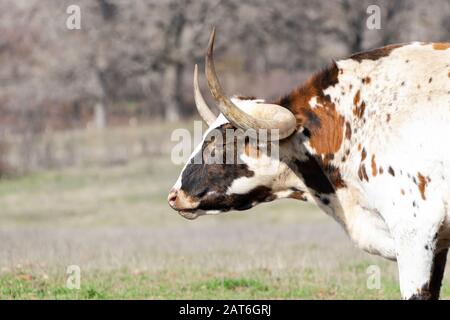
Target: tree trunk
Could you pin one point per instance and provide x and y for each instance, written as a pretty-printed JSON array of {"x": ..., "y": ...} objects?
[
  {"x": 172, "y": 92},
  {"x": 100, "y": 108},
  {"x": 173, "y": 78},
  {"x": 100, "y": 115}
]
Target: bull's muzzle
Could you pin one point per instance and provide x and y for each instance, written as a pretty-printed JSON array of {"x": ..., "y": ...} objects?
[{"x": 184, "y": 204}]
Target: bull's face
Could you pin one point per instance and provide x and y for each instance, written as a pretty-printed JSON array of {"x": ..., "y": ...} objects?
[
  {"x": 244, "y": 159},
  {"x": 231, "y": 171}
]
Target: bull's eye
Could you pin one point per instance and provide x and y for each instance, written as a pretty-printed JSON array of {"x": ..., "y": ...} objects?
[{"x": 201, "y": 193}]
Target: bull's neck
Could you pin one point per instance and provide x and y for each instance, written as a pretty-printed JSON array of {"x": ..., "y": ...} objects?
[
  {"x": 316, "y": 113},
  {"x": 323, "y": 127}
]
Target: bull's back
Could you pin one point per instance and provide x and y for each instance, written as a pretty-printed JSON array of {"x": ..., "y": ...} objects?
[
  {"x": 400, "y": 100},
  {"x": 397, "y": 103}
]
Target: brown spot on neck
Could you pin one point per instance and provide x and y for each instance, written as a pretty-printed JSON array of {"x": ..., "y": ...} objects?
[
  {"x": 334, "y": 175},
  {"x": 363, "y": 154},
  {"x": 328, "y": 157},
  {"x": 356, "y": 98},
  {"x": 358, "y": 110},
  {"x": 423, "y": 182},
  {"x": 374, "y": 166},
  {"x": 362, "y": 174},
  {"x": 348, "y": 131},
  {"x": 327, "y": 137},
  {"x": 324, "y": 124}
]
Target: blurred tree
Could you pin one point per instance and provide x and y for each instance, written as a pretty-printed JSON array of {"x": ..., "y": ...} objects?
[{"x": 135, "y": 58}]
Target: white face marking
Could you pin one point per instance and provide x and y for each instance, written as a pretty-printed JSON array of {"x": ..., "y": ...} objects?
[
  {"x": 246, "y": 105},
  {"x": 274, "y": 174},
  {"x": 216, "y": 124},
  {"x": 264, "y": 168}
]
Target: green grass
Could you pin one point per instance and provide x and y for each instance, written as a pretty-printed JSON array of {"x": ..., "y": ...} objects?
[{"x": 258, "y": 284}]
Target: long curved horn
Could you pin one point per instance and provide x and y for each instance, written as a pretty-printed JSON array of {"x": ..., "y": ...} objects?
[
  {"x": 282, "y": 119},
  {"x": 203, "y": 109}
]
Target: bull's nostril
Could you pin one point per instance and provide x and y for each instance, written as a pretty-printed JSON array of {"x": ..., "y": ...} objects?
[{"x": 172, "y": 197}]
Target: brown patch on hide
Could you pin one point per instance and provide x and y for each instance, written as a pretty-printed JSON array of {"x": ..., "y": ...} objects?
[
  {"x": 423, "y": 182},
  {"x": 366, "y": 80},
  {"x": 348, "y": 131},
  {"x": 298, "y": 195},
  {"x": 324, "y": 124},
  {"x": 362, "y": 174},
  {"x": 374, "y": 166},
  {"x": 375, "y": 54},
  {"x": 363, "y": 154},
  {"x": 356, "y": 99},
  {"x": 327, "y": 137}
]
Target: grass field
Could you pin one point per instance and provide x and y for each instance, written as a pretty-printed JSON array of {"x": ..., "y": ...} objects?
[{"x": 113, "y": 222}]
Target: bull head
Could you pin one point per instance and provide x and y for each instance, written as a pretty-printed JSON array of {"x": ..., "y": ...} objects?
[{"x": 208, "y": 187}]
